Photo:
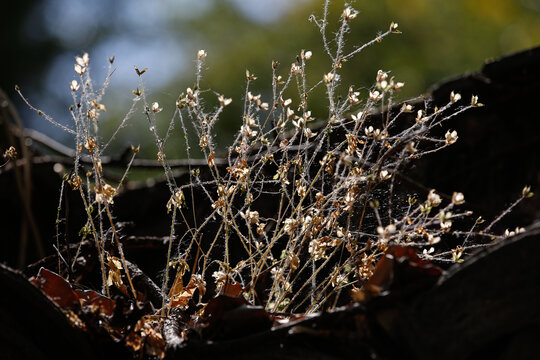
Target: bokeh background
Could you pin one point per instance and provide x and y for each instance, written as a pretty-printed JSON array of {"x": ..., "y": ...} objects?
[{"x": 40, "y": 39}]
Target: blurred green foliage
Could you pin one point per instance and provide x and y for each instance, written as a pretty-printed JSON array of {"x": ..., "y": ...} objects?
[{"x": 440, "y": 39}]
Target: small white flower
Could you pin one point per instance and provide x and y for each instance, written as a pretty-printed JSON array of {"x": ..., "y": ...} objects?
[
  {"x": 406, "y": 108},
  {"x": 451, "y": 137},
  {"x": 295, "y": 68},
  {"x": 306, "y": 55},
  {"x": 455, "y": 97},
  {"x": 474, "y": 101},
  {"x": 290, "y": 225},
  {"x": 433, "y": 198},
  {"x": 74, "y": 85},
  {"x": 420, "y": 116},
  {"x": 432, "y": 240},
  {"x": 286, "y": 103},
  {"x": 445, "y": 220},
  {"x": 308, "y": 133},
  {"x": 458, "y": 198},
  {"x": 369, "y": 131},
  {"x": 328, "y": 78},
  {"x": 290, "y": 113},
  {"x": 83, "y": 61},
  {"x": 223, "y": 101},
  {"x": 156, "y": 108},
  {"x": 201, "y": 54},
  {"x": 79, "y": 69},
  {"x": 384, "y": 175},
  {"x": 399, "y": 85},
  {"x": 349, "y": 13},
  {"x": 394, "y": 28},
  {"x": 358, "y": 116},
  {"x": 375, "y": 96},
  {"x": 427, "y": 253},
  {"x": 386, "y": 232}
]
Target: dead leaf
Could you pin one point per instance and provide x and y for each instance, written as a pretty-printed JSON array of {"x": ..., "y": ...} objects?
[{"x": 56, "y": 288}]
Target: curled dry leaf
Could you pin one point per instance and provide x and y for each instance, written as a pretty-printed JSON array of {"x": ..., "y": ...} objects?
[{"x": 398, "y": 263}]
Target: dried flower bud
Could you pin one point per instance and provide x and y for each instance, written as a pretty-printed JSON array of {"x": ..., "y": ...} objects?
[
  {"x": 406, "y": 108},
  {"x": 295, "y": 68},
  {"x": 306, "y": 55},
  {"x": 433, "y": 198},
  {"x": 455, "y": 97},
  {"x": 458, "y": 198},
  {"x": 201, "y": 54},
  {"x": 156, "y": 108},
  {"x": 474, "y": 101},
  {"x": 74, "y": 86},
  {"x": 349, "y": 13},
  {"x": 328, "y": 78},
  {"x": 451, "y": 137},
  {"x": 375, "y": 96},
  {"x": 223, "y": 101}
]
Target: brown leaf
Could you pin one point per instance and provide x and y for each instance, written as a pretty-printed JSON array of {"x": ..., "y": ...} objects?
[
  {"x": 98, "y": 303},
  {"x": 56, "y": 288},
  {"x": 182, "y": 298},
  {"x": 398, "y": 263}
]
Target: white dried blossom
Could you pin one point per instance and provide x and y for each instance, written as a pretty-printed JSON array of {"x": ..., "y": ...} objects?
[
  {"x": 369, "y": 131},
  {"x": 295, "y": 68},
  {"x": 451, "y": 137},
  {"x": 286, "y": 102},
  {"x": 349, "y": 13},
  {"x": 474, "y": 101},
  {"x": 353, "y": 97},
  {"x": 394, "y": 28},
  {"x": 433, "y": 199},
  {"x": 432, "y": 240},
  {"x": 458, "y": 198},
  {"x": 455, "y": 97},
  {"x": 290, "y": 113},
  {"x": 375, "y": 96},
  {"x": 301, "y": 190},
  {"x": 399, "y": 85},
  {"x": 385, "y": 175},
  {"x": 176, "y": 200},
  {"x": 224, "y": 101},
  {"x": 74, "y": 86},
  {"x": 328, "y": 78},
  {"x": 306, "y": 55},
  {"x": 427, "y": 253},
  {"x": 105, "y": 193},
  {"x": 517, "y": 230},
  {"x": 308, "y": 133},
  {"x": 201, "y": 54},
  {"x": 79, "y": 69},
  {"x": 156, "y": 108},
  {"x": 253, "y": 98},
  {"x": 251, "y": 216},
  {"x": 386, "y": 232},
  {"x": 381, "y": 76},
  {"x": 358, "y": 116},
  {"x": 290, "y": 226},
  {"x": 407, "y": 108},
  {"x": 445, "y": 220},
  {"x": 420, "y": 116},
  {"x": 83, "y": 61}
]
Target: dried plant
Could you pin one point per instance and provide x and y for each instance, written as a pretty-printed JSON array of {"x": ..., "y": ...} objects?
[{"x": 310, "y": 204}]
